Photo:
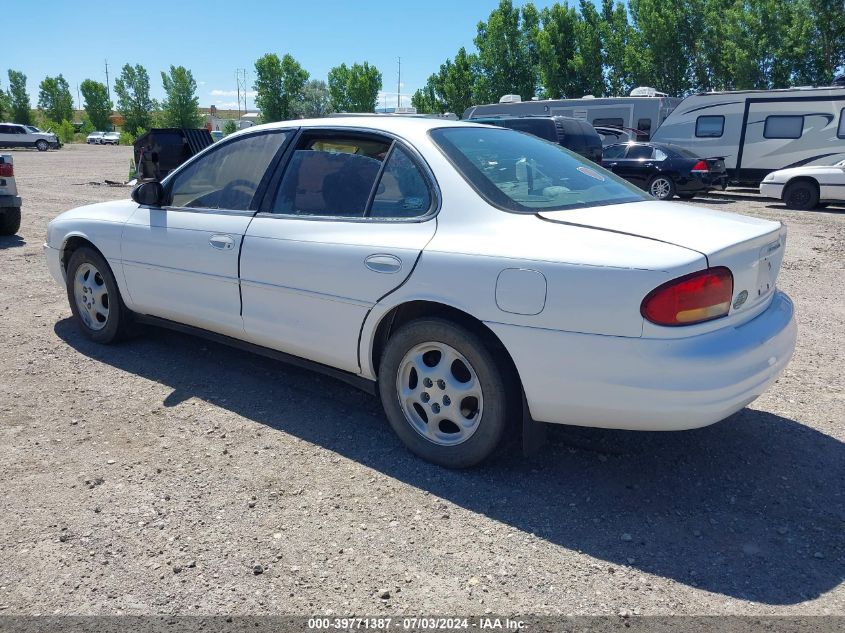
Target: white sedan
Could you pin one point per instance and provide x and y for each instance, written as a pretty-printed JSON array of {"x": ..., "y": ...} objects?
[
  {"x": 454, "y": 269},
  {"x": 807, "y": 187}
]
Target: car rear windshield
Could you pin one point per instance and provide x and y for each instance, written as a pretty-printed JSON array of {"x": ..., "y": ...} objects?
[{"x": 524, "y": 174}]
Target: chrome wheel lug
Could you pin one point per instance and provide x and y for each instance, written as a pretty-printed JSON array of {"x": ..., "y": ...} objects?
[
  {"x": 435, "y": 407},
  {"x": 427, "y": 382},
  {"x": 446, "y": 401},
  {"x": 425, "y": 397},
  {"x": 441, "y": 383}
]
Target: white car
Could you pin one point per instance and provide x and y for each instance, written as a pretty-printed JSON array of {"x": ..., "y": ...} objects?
[
  {"x": 449, "y": 267},
  {"x": 110, "y": 138},
  {"x": 95, "y": 138},
  {"x": 16, "y": 135},
  {"x": 806, "y": 187}
]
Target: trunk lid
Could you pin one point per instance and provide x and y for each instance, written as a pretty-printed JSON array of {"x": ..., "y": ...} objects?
[
  {"x": 716, "y": 165},
  {"x": 751, "y": 248}
]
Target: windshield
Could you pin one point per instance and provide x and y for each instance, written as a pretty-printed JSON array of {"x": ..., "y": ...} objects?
[{"x": 524, "y": 174}]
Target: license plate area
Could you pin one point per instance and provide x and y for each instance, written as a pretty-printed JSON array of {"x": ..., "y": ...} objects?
[{"x": 766, "y": 268}]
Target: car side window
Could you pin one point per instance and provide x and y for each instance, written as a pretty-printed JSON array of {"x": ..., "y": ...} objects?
[
  {"x": 613, "y": 151},
  {"x": 228, "y": 176},
  {"x": 710, "y": 126},
  {"x": 639, "y": 152},
  {"x": 659, "y": 154},
  {"x": 402, "y": 191},
  {"x": 331, "y": 176}
]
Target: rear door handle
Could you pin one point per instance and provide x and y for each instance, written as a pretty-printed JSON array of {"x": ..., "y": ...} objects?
[
  {"x": 222, "y": 242},
  {"x": 383, "y": 263}
]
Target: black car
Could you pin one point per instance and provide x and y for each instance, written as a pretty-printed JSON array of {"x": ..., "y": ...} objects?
[
  {"x": 574, "y": 134},
  {"x": 665, "y": 170}
]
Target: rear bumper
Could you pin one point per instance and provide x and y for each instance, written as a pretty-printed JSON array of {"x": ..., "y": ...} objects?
[
  {"x": 10, "y": 201},
  {"x": 650, "y": 384},
  {"x": 705, "y": 182}
]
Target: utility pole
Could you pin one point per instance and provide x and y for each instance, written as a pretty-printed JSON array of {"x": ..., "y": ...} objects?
[
  {"x": 399, "y": 86},
  {"x": 238, "y": 82},
  {"x": 78, "y": 99},
  {"x": 108, "y": 86}
]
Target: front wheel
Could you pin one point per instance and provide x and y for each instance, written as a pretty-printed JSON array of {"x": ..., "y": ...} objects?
[
  {"x": 444, "y": 393},
  {"x": 10, "y": 220},
  {"x": 41, "y": 145},
  {"x": 94, "y": 297},
  {"x": 662, "y": 188},
  {"x": 801, "y": 195}
]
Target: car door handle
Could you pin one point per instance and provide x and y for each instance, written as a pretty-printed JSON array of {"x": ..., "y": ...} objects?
[
  {"x": 611, "y": 165},
  {"x": 222, "y": 242},
  {"x": 383, "y": 263}
]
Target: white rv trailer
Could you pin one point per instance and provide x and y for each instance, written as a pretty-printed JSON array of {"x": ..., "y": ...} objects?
[
  {"x": 645, "y": 110},
  {"x": 761, "y": 131}
]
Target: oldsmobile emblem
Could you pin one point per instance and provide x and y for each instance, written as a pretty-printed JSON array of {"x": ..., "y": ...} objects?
[{"x": 740, "y": 299}]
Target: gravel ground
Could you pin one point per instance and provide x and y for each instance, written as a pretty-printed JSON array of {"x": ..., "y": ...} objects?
[{"x": 170, "y": 475}]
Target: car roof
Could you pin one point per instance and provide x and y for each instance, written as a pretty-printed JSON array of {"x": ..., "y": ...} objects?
[{"x": 396, "y": 124}]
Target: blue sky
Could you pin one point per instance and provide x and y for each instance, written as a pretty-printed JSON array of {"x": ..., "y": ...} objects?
[{"x": 213, "y": 38}]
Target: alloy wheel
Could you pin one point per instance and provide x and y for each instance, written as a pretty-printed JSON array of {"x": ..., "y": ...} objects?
[
  {"x": 92, "y": 297},
  {"x": 440, "y": 393},
  {"x": 660, "y": 188}
]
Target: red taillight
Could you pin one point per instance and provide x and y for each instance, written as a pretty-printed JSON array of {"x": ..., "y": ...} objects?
[
  {"x": 690, "y": 299},
  {"x": 700, "y": 166},
  {"x": 7, "y": 170}
]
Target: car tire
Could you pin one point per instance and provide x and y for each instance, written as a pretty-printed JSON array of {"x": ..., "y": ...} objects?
[
  {"x": 662, "y": 187},
  {"x": 10, "y": 220},
  {"x": 471, "y": 390},
  {"x": 41, "y": 145},
  {"x": 95, "y": 298},
  {"x": 801, "y": 196}
]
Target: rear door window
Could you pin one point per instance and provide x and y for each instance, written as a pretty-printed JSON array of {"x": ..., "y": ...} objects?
[
  {"x": 639, "y": 152},
  {"x": 402, "y": 191}
]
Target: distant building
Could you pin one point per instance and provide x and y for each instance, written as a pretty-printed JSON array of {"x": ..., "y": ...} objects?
[{"x": 215, "y": 120}]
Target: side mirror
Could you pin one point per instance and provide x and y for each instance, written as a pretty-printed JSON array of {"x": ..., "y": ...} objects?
[{"x": 149, "y": 194}]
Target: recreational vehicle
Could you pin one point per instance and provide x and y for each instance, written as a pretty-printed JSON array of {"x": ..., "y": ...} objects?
[
  {"x": 644, "y": 110},
  {"x": 761, "y": 131}
]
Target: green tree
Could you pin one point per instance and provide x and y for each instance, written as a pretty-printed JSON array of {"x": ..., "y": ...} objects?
[
  {"x": 97, "y": 104},
  {"x": 4, "y": 103},
  {"x": 180, "y": 107},
  {"x": 615, "y": 35},
  {"x": 458, "y": 80},
  {"x": 589, "y": 60},
  {"x": 426, "y": 101},
  {"x": 354, "y": 88},
  {"x": 279, "y": 84},
  {"x": 134, "y": 103},
  {"x": 230, "y": 127},
  {"x": 19, "y": 98},
  {"x": 557, "y": 50},
  {"x": 315, "y": 101},
  {"x": 505, "y": 54},
  {"x": 54, "y": 98}
]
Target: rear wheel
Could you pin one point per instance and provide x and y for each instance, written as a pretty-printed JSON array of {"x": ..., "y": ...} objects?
[
  {"x": 10, "y": 220},
  {"x": 94, "y": 297},
  {"x": 662, "y": 187},
  {"x": 41, "y": 145},
  {"x": 802, "y": 195},
  {"x": 444, "y": 393}
]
